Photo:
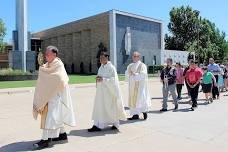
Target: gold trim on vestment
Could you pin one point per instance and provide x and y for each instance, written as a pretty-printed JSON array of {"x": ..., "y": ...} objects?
[
  {"x": 44, "y": 116},
  {"x": 133, "y": 101}
]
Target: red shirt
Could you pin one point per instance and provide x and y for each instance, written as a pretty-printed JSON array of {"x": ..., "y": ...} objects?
[{"x": 193, "y": 75}]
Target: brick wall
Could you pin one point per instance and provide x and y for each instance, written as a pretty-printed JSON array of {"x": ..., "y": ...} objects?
[
  {"x": 78, "y": 41},
  {"x": 4, "y": 62}
]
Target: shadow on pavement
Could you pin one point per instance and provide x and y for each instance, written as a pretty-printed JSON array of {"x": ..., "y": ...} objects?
[
  {"x": 184, "y": 102},
  {"x": 183, "y": 110},
  {"x": 203, "y": 104},
  {"x": 158, "y": 111},
  {"x": 156, "y": 98},
  {"x": 130, "y": 121},
  {"x": 85, "y": 133},
  {"x": 18, "y": 146}
]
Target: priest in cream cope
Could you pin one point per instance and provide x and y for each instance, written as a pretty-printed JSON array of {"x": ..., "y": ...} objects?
[
  {"x": 108, "y": 105},
  {"x": 52, "y": 100},
  {"x": 139, "y": 98}
]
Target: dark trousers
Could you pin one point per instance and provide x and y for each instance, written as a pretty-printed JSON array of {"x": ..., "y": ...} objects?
[
  {"x": 194, "y": 95},
  {"x": 215, "y": 90},
  {"x": 179, "y": 88}
]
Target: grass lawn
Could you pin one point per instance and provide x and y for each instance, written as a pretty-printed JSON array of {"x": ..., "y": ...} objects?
[
  {"x": 74, "y": 79},
  {"x": 17, "y": 84}
]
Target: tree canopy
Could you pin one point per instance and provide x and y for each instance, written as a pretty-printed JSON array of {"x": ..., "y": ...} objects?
[
  {"x": 190, "y": 31},
  {"x": 2, "y": 35}
]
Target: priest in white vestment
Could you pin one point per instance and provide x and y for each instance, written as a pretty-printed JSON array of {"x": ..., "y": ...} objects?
[
  {"x": 108, "y": 105},
  {"x": 139, "y": 99},
  {"x": 52, "y": 100}
]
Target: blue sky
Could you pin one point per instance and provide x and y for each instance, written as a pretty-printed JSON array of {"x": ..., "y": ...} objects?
[{"x": 44, "y": 14}]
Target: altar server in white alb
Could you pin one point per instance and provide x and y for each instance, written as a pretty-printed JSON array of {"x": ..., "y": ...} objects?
[
  {"x": 108, "y": 105},
  {"x": 52, "y": 100},
  {"x": 139, "y": 99}
]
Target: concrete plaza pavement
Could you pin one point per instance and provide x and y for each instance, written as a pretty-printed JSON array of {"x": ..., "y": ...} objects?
[{"x": 202, "y": 130}]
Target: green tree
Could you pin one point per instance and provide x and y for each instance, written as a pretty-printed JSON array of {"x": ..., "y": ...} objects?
[
  {"x": 2, "y": 35},
  {"x": 182, "y": 26},
  {"x": 225, "y": 58},
  {"x": 189, "y": 31}
]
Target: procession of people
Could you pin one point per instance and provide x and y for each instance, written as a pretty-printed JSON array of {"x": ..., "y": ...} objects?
[{"x": 52, "y": 98}]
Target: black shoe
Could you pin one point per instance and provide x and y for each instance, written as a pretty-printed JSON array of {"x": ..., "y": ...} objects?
[
  {"x": 62, "y": 139},
  {"x": 94, "y": 129},
  {"x": 163, "y": 110},
  {"x": 144, "y": 115},
  {"x": 134, "y": 117},
  {"x": 176, "y": 107},
  {"x": 193, "y": 108},
  {"x": 114, "y": 128},
  {"x": 211, "y": 100},
  {"x": 42, "y": 144}
]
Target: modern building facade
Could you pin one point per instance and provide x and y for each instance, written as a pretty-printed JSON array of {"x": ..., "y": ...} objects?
[
  {"x": 119, "y": 33},
  {"x": 177, "y": 56}
]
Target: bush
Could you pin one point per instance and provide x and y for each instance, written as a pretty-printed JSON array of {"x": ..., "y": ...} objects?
[
  {"x": 155, "y": 68},
  {"x": 4, "y": 72}
]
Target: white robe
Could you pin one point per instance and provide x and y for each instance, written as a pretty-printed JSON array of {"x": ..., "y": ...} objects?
[
  {"x": 143, "y": 100},
  {"x": 60, "y": 112},
  {"x": 108, "y": 105}
]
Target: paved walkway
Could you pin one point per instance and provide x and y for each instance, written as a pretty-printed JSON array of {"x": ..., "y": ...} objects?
[{"x": 204, "y": 130}]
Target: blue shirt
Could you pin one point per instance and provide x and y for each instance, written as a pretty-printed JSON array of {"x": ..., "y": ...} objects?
[
  {"x": 213, "y": 68},
  {"x": 226, "y": 68}
]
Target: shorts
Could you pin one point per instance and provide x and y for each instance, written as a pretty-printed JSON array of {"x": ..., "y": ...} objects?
[{"x": 207, "y": 88}]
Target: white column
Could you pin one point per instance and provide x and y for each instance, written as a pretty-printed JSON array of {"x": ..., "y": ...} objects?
[
  {"x": 22, "y": 29},
  {"x": 162, "y": 37},
  {"x": 112, "y": 35}
]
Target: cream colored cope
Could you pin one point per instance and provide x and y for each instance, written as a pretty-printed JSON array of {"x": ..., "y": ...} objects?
[
  {"x": 52, "y": 98},
  {"x": 108, "y": 104},
  {"x": 139, "y": 98}
]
